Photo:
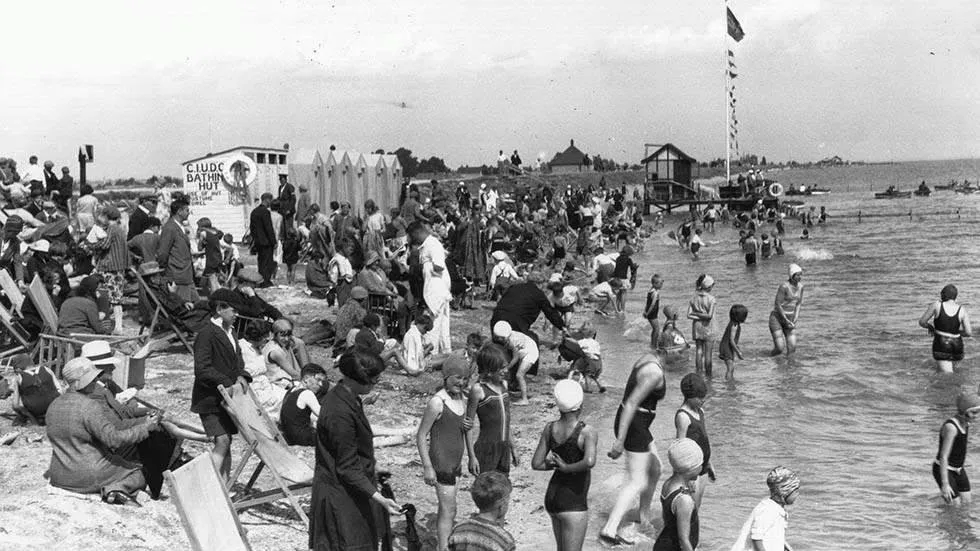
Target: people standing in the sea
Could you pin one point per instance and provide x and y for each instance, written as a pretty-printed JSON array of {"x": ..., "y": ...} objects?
[
  {"x": 947, "y": 468},
  {"x": 645, "y": 387},
  {"x": 652, "y": 310},
  {"x": 710, "y": 215},
  {"x": 786, "y": 312},
  {"x": 750, "y": 247},
  {"x": 765, "y": 529},
  {"x": 701, "y": 312},
  {"x": 696, "y": 243},
  {"x": 728, "y": 348},
  {"x": 689, "y": 423},
  {"x": 765, "y": 246},
  {"x": 822, "y": 219},
  {"x": 567, "y": 446},
  {"x": 780, "y": 228},
  {"x": 950, "y": 323},
  {"x": 682, "y": 528}
]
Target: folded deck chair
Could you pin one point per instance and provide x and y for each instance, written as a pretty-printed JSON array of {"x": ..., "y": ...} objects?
[
  {"x": 292, "y": 476},
  {"x": 12, "y": 291},
  {"x": 206, "y": 511},
  {"x": 158, "y": 311},
  {"x": 20, "y": 338}
]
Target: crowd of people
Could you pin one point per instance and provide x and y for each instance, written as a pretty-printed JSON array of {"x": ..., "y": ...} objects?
[{"x": 393, "y": 281}]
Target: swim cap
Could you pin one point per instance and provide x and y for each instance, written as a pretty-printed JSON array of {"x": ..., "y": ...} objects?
[
  {"x": 707, "y": 282},
  {"x": 685, "y": 455},
  {"x": 502, "y": 329},
  {"x": 782, "y": 482},
  {"x": 967, "y": 401},
  {"x": 795, "y": 269},
  {"x": 949, "y": 292},
  {"x": 456, "y": 365},
  {"x": 568, "y": 395},
  {"x": 693, "y": 386},
  {"x": 670, "y": 312}
]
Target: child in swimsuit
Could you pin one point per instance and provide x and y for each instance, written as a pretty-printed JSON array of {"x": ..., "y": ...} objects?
[
  {"x": 947, "y": 468},
  {"x": 728, "y": 350},
  {"x": 701, "y": 312},
  {"x": 489, "y": 402},
  {"x": 679, "y": 506},
  {"x": 696, "y": 243},
  {"x": 567, "y": 446},
  {"x": 766, "y": 246},
  {"x": 672, "y": 344},
  {"x": 652, "y": 310},
  {"x": 443, "y": 425},
  {"x": 689, "y": 422}
]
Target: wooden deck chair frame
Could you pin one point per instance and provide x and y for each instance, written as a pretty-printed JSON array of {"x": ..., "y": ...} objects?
[
  {"x": 283, "y": 490},
  {"x": 209, "y": 518},
  {"x": 54, "y": 350},
  {"x": 384, "y": 306},
  {"x": 23, "y": 345},
  {"x": 158, "y": 310}
]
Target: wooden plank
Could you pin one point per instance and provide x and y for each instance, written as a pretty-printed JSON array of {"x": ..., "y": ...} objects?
[
  {"x": 42, "y": 301},
  {"x": 8, "y": 323},
  {"x": 12, "y": 291},
  {"x": 205, "y": 509}
]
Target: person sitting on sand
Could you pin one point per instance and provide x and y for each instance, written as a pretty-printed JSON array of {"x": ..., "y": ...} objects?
[
  {"x": 418, "y": 355},
  {"x": 269, "y": 395},
  {"x": 83, "y": 435},
  {"x": 301, "y": 406},
  {"x": 368, "y": 340},
  {"x": 35, "y": 387},
  {"x": 805, "y": 235},
  {"x": 80, "y": 313},
  {"x": 284, "y": 354},
  {"x": 349, "y": 316}
]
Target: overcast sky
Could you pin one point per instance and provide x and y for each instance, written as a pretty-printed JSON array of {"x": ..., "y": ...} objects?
[{"x": 143, "y": 82}]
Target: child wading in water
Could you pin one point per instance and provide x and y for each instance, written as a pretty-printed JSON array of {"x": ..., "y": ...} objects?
[
  {"x": 948, "y": 469},
  {"x": 680, "y": 511},
  {"x": 489, "y": 401},
  {"x": 443, "y": 425},
  {"x": 701, "y": 311},
  {"x": 765, "y": 528},
  {"x": 567, "y": 446},
  {"x": 652, "y": 310},
  {"x": 689, "y": 422},
  {"x": 728, "y": 350}
]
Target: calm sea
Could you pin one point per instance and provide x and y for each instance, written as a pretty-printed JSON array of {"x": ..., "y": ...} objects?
[{"x": 857, "y": 411}]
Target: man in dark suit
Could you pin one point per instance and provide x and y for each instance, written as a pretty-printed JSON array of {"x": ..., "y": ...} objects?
[
  {"x": 264, "y": 239},
  {"x": 218, "y": 361},
  {"x": 174, "y": 251},
  {"x": 287, "y": 200},
  {"x": 139, "y": 221}
]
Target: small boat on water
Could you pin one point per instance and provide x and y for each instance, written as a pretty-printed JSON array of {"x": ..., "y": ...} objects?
[
  {"x": 806, "y": 190},
  {"x": 923, "y": 190},
  {"x": 893, "y": 193},
  {"x": 967, "y": 189},
  {"x": 945, "y": 187}
]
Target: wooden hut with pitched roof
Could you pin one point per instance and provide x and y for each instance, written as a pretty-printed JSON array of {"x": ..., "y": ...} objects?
[{"x": 570, "y": 160}]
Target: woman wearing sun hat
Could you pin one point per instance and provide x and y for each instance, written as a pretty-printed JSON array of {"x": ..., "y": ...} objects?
[{"x": 786, "y": 312}]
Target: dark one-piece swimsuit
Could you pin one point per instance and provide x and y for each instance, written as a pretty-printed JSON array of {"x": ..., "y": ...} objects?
[{"x": 567, "y": 492}]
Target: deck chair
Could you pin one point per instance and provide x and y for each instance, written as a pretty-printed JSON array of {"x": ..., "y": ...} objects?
[
  {"x": 54, "y": 350},
  {"x": 158, "y": 311},
  {"x": 384, "y": 306},
  {"x": 206, "y": 511},
  {"x": 12, "y": 291},
  {"x": 292, "y": 476},
  {"x": 16, "y": 332}
]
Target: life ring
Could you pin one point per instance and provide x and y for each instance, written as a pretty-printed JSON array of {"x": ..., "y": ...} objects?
[{"x": 775, "y": 189}]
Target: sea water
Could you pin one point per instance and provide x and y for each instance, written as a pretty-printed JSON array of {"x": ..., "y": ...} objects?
[{"x": 856, "y": 412}]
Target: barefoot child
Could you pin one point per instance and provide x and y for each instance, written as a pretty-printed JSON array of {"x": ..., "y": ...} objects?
[
  {"x": 947, "y": 469},
  {"x": 680, "y": 511},
  {"x": 728, "y": 349},
  {"x": 489, "y": 402},
  {"x": 524, "y": 354},
  {"x": 696, "y": 243},
  {"x": 443, "y": 426},
  {"x": 765, "y": 528},
  {"x": 672, "y": 344},
  {"x": 689, "y": 422},
  {"x": 701, "y": 311},
  {"x": 567, "y": 446},
  {"x": 652, "y": 310}
]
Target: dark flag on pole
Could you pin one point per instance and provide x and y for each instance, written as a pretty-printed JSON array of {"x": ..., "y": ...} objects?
[
  {"x": 731, "y": 53},
  {"x": 734, "y": 27}
]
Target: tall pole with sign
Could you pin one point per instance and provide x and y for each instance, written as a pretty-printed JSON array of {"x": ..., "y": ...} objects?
[{"x": 86, "y": 154}]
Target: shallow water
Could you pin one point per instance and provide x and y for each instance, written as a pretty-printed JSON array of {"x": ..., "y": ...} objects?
[{"x": 857, "y": 411}]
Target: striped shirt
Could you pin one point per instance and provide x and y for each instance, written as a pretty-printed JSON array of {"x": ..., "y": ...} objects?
[
  {"x": 479, "y": 534},
  {"x": 115, "y": 250}
]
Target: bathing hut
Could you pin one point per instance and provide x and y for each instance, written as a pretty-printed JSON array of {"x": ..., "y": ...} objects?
[
  {"x": 570, "y": 160},
  {"x": 225, "y": 186},
  {"x": 352, "y": 189},
  {"x": 394, "y": 185},
  {"x": 374, "y": 180},
  {"x": 305, "y": 169},
  {"x": 669, "y": 176}
]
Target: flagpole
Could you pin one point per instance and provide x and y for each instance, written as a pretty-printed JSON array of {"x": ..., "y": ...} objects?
[{"x": 728, "y": 110}]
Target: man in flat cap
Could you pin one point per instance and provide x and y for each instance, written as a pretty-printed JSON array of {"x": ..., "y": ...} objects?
[{"x": 139, "y": 221}]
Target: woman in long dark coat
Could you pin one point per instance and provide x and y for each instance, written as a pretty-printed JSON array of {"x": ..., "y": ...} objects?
[{"x": 345, "y": 491}]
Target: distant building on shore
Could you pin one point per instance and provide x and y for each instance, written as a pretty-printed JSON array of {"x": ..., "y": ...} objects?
[{"x": 570, "y": 160}]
